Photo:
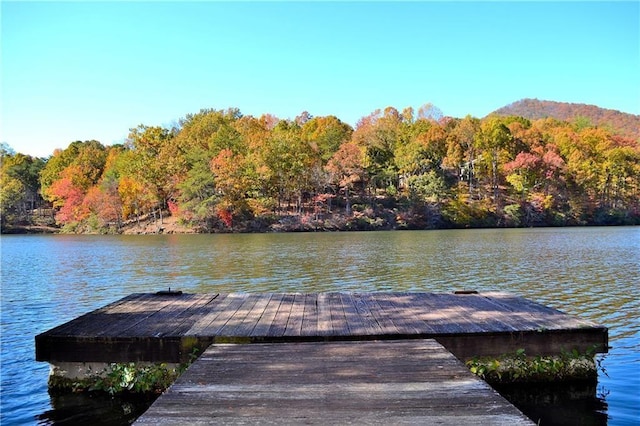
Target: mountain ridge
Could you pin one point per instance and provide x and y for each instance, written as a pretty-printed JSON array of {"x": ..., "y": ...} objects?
[{"x": 623, "y": 123}]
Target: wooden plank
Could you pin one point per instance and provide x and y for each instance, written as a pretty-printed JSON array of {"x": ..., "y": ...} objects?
[
  {"x": 339, "y": 323},
  {"x": 150, "y": 326},
  {"x": 279, "y": 324},
  {"x": 359, "y": 320},
  {"x": 443, "y": 316},
  {"x": 162, "y": 321},
  {"x": 75, "y": 325},
  {"x": 238, "y": 325},
  {"x": 201, "y": 326},
  {"x": 523, "y": 315},
  {"x": 325, "y": 327},
  {"x": 231, "y": 309},
  {"x": 181, "y": 327},
  {"x": 256, "y": 313},
  {"x": 310, "y": 318},
  {"x": 478, "y": 313},
  {"x": 519, "y": 318},
  {"x": 419, "y": 315},
  {"x": 384, "y": 382},
  {"x": 264, "y": 323},
  {"x": 394, "y": 307},
  {"x": 294, "y": 325},
  {"x": 383, "y": 320},
  {"x": 140, "y": 313},
  {"x": 536, "y": 315},
  {"x": 113, "y": 318}
]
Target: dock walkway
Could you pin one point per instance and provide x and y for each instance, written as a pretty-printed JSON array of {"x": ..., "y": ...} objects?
[
  {"x": 167, "y": 328},
  {"x": 321, "y": 358},
  {"x": 373, "y": 383}
]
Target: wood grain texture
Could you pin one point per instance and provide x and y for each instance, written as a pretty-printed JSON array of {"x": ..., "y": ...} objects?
[
  {"x": 145, "y": 327},
  {"x": 374, "y": 382}
]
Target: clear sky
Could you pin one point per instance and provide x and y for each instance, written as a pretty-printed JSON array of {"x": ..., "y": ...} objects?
[{"x": 88, "y": 70}]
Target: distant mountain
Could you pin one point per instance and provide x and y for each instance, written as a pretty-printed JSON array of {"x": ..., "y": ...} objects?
[{"x": 533, "y": 109}]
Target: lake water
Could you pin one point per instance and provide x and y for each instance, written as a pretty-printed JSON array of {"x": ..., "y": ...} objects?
[{"x": 50, "y": 279}]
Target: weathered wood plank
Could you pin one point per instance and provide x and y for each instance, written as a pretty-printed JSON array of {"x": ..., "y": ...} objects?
[
  {"x": 444, "y": 315},
  {"x": 475, "y": 313},
  {"x": 310, "y": 318},
  {"x": 279, "y": 324},
  {"x": 165, "y": 319},
  {"x": 520, "y": 319},
  {"x": 384, "y": 321},
  {"x": 384, "y": 382},
  {"x": 339, "y": 323},
  {"x": 395, "y": 307},
  {"x": 78, "y": 324},
  {"x": 201, "y": 326},
  {"x": 181, "y": 328},
  {"x": 237, "y": 325},
  {"x": 294, "y": 325},
  {"x": 233, "y": 302},
  {"x": 359, "y": 320},
  {"x": 424, "y": 316},
  {"x": 537, "y": 316},
  {"x": 148, "y": 326},
  {"x": 256, "y": 313},
  {"x": 113, "y": 318},
  {"x": 266, "y": 320},
  {"x": 325, "y": 327}
]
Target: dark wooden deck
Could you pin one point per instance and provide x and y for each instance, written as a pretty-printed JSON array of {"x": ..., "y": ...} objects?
[
  {"x": 373, "y": 383},
  {"x": 167, "y": 328}
]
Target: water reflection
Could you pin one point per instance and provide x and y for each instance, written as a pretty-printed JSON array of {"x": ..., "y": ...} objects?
[
  {"x": 567, "y": 404},
  {"x": 83, "y": 409}
]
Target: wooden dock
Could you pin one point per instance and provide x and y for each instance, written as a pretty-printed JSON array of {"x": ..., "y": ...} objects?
[
  {"x": 167, "y": 328},
  {"x": 320, "y": 358},
  {"x": 374, "y": 383}
]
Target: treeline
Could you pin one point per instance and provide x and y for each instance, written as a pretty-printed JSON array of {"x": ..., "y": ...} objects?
[{"x": 219, "y": 170}]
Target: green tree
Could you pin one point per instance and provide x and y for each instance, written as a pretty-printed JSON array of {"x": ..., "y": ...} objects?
[
  {"x": 289, "y": 161},
  {"x": 325, "y": 135},
  {"x": 199, "y": 140},
  {"x": 493, "y": 139},
  {"x": 412, "y": 157},
  {"x": 19, "y": 186},
  {"x": 197, "y": 196},
  {"x": 429, "y": 187},
  {"x": 379, "y": 133},
  {"x": 155, "y": 162}
]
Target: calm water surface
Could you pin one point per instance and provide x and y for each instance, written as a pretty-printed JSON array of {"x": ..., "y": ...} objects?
[{"x": 48, "y": 280}]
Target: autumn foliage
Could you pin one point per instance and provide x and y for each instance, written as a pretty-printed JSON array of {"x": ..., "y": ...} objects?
[{"x": 219, "y": 170}]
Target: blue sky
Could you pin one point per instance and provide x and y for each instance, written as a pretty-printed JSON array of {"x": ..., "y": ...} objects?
[{"x": 88, "y": 70}]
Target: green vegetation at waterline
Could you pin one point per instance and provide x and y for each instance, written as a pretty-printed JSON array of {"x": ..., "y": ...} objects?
[
  {"x": 149, "y": 379},
  {"x": 121, "y": 379},
  {"x": 520, "y": 368},
  {"x": 129, "y": 378},
  {"x": 222, "y": 171}
]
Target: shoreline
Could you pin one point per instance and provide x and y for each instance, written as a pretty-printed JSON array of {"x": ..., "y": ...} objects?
[{"x": 151, "y": 228}]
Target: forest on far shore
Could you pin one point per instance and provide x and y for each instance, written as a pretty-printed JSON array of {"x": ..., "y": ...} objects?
[{"x": 222, "y": 171}]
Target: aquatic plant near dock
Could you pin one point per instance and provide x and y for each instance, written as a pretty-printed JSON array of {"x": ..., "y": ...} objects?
[
  {"x": 129, "y": 377},
  {"x": 120, "y": 378},
  {"x": 520, "y": 368},
  {"x": 123, "y": 378}
]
